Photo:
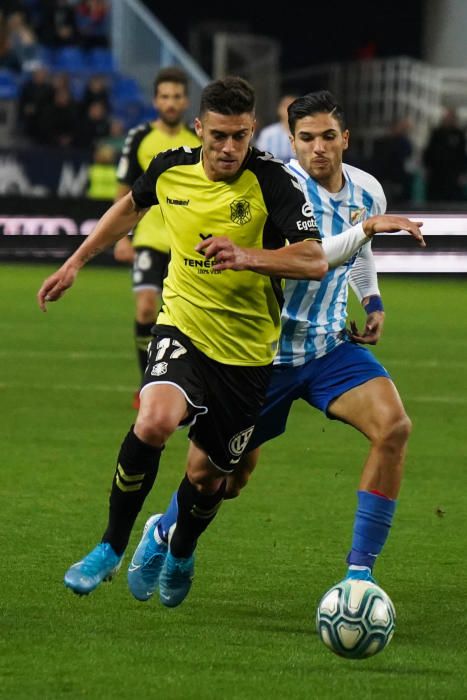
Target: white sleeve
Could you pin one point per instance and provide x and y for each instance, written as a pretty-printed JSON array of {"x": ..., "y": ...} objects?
[
  {"x": 340, "y": 248},
  {"x": 363, "y": 277}
]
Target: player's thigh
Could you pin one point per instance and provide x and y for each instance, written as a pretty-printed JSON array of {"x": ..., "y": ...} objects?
[
  {"x": 373, "y": 407},
  {"x": 163, "y": 407}
]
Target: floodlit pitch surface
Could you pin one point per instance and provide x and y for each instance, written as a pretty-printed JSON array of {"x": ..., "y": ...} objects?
[{"x": 247, "y": 628}]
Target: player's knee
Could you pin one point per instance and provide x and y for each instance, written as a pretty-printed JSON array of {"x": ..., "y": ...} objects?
[
  {"x": 146, "y": 314},
  {"x": 146, "y": 308},
  {"x": 235, "y": 483},
  {"x": 155, "y": 430},
  {"x": 396, "y": 431}
]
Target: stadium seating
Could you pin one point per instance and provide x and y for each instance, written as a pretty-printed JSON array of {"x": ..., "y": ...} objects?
[
  {"x": 8, "y": 85},
  {"x": 101, "y": 60}
]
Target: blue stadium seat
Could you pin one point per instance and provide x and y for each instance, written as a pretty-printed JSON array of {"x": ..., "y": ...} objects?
[
  {"x": 8, "y": 86},
  {"x": 46, "y": 56},
  {"x": 126, "y": 89},
  {"x": 131, "y": 112},
  {"x": 101, "y": 60},
  {"x": 70, "y": 58}
]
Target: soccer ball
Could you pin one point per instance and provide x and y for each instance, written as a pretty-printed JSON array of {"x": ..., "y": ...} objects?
[{"x": 355, "y": 619}]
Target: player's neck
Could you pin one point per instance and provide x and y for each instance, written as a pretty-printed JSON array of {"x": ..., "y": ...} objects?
[
  {"x": 166, "y": 128},
  {"x": 334, "y": 183}
]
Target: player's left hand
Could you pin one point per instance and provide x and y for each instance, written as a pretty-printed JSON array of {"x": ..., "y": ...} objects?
[
  {"x": 227, "y": 255},
  {"x": 372, "y": 330}
]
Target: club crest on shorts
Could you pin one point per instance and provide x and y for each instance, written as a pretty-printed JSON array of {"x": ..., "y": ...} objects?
[
  {"x": 240, "y": 211},
  {"x": 238, "y": 443},
  {"x": 159, "y": 369}
]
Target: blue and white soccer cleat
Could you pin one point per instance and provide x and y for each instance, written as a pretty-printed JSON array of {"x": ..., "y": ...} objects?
[
  {"x": 99, "y": 565},
  {"x": 147, "y": 562},
  {"x": 175, "y": 579},
  {"x": 359, "y": 573}
]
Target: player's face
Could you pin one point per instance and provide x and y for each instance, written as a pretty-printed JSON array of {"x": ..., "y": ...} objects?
[
  {"x": 171, "y": 102},
  {"x": 319, "y": 144},
  {"x": 225, "y": 139}
]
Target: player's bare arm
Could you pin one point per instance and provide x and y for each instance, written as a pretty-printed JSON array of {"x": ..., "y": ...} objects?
[
  {"x": 304, "y": 260},
  {"x": 115, "y": 223},
  {"x": 123, "y": 251},
  {"x": 386, "y": 223}
]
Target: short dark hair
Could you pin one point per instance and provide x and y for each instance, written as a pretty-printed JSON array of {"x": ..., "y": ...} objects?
[
  {"x": 315, "y": 103},
  {"x": 231, "y": 95},
  {"x": 171, "y": 74}
]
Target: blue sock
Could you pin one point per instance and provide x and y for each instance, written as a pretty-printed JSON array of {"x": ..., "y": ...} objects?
[
  {"x": 169, "y": 518},
  {"x": 372, "y": 523}
]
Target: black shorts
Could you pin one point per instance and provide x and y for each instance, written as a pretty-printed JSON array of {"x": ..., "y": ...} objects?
[
  {"x": 149, "y": 268},
  {"x": 225, "y": 400}
]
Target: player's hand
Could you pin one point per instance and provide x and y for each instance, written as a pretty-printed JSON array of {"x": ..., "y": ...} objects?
[
  {"x": 227, "y": 255},
  {"x": 372, "y": 330},
  {"x": 56, "y": 285},
  {"x": 124, "y": 251},
  {"x": 393, "y": 224}
]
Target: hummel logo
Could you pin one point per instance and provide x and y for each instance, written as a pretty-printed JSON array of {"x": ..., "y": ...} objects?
[
  {"x": 178, "y": 202},
  {"x": 165, "y": 597}
]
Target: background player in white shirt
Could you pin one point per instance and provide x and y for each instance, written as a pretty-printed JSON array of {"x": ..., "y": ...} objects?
[{"x": 275, "y": 138}]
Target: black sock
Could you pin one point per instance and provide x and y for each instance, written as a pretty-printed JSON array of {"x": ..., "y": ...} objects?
[
  {"x": 195, "y": 511},
  {"x": 136, "y": 471},
  {"x": 142, "y": 339}
]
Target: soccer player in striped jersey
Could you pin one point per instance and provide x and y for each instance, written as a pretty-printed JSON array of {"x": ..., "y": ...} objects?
[{"x": 318, "y": 359}]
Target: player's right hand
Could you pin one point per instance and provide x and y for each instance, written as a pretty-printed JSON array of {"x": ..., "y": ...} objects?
[
  {"x": 386, "y": 223},
  {"x": 56, "y": 285},
  {"x": 124, "y": 251}
]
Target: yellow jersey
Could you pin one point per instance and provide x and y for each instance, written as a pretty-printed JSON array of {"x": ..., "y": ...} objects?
[
  {"x": 141, "y": 145},
  {"x": 232, "y": 317}
]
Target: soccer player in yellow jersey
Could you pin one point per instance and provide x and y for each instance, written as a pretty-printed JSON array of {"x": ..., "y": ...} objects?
[
  {"x": 229, "y": 210},
  {"x": 148, "y": 250}
]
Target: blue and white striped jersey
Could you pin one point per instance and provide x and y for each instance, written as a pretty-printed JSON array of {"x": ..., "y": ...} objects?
[{"x": 314, "y": 313}]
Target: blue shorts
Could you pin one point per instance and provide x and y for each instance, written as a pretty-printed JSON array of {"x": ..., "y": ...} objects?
[{"x": 318, "y": 382}]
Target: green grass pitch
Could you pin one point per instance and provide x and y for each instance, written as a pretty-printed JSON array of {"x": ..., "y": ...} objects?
[{"x": 247, "y": 629}]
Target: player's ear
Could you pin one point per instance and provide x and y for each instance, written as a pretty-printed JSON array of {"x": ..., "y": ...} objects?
[
  {"x": 292, "y": 143},
  {"x": 198, "y": 128},
  {"x": 345, "y": 137}
]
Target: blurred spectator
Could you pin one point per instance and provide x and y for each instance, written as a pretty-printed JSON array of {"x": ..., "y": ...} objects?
[
  {"x": 96, "y": 90},
  {"x": 60, "y": 119},
  {"x": 58, "y": 26},
  {"x": 116, "y": 137},
  {"x": 94, "y": 127},
  {"x": 36, "y": 95},
  {"x": 102, "y": 174},
  {"x": 275, "y": 138},
  {"x": 61, "y": 81},
  {"x": 92, "y": 19},
  {"x": 445, "y": 160},
  {"x": 391, "y": 163},
  {"x": 8, "y": 58},
  {"x": 23, "y": 41}
]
